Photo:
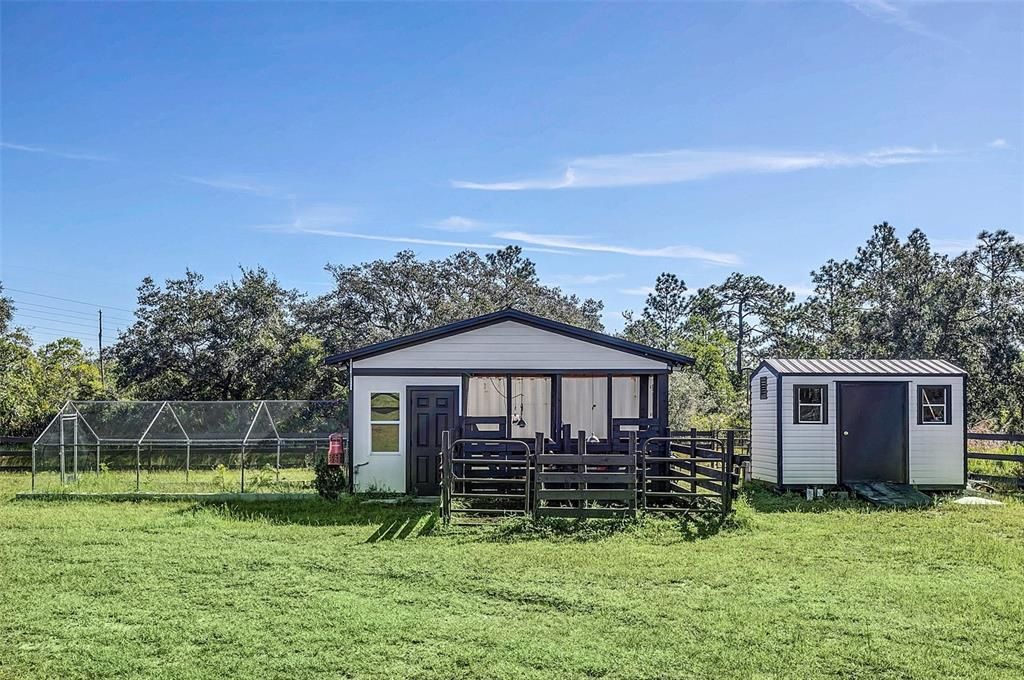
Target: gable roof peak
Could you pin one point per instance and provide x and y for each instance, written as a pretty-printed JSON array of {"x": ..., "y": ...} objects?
[{"x": 519, "y": 316}]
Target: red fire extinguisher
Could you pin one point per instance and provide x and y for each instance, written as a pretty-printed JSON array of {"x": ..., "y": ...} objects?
[{"x": 336, "y": 449}]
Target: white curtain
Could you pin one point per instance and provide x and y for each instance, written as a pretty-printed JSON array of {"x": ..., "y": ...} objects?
[
  {"x": 531, "y": 402},
  {"x": 585, "y": 405},
  {"x": 486, "y": 396},
  {"x": 626, "y": 397}
]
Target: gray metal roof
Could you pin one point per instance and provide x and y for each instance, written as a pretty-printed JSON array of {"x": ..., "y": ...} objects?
[{"x": 864, "y": 366}]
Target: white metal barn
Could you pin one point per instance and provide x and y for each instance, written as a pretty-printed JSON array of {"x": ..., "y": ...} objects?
[
  {"x": 826, "y": 422},
  {"x": 505, "y": 375}
]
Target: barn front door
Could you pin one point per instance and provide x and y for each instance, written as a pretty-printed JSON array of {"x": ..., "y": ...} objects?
[
  {"x": 432, "y": 410},
  {"x": 873, "y": 432}
]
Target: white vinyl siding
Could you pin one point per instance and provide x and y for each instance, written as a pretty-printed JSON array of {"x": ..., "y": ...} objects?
[
  {"x": 937, "y": 451},
  {"x": 809, "y": 451},
  {"x": 510, "y": 345},
  {"x": 763, "y": 460}
]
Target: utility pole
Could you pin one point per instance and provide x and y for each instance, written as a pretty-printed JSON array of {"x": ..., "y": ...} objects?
[{"x": 103, "y": 380}]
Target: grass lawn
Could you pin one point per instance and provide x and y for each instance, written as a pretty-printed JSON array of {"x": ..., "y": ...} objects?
[
  {"x": 305, "y": 589},
  {"x": 200, "y": 480}
]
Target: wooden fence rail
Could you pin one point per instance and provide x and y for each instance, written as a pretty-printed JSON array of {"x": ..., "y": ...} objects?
[
  {"x": 585, "y": 484},
  {"x": 483, "y": 478},
  {"x": 1018, "y": 479}
]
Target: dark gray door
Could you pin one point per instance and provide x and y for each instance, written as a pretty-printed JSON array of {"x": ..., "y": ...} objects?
[
  {"x": 873, "y": 432},
  {"x": 432, "y": 410}
]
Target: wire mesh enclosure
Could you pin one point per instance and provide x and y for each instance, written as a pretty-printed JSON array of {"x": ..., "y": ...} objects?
[{"x": 184, "y": 446}]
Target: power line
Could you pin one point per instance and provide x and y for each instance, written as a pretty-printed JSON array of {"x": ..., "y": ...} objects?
[
  {"x": 53, "y": 320},
  {"x": 62, "y": 332},
  {"x": 21, "y": 303},
  {"x": 64, "y": 299},
  {"x": 64, "y": 310}
]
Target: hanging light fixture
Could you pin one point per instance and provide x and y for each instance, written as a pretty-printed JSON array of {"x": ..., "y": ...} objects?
[
  {"x": 521, "y": 422},
  {"x": 592, "y": 439}
]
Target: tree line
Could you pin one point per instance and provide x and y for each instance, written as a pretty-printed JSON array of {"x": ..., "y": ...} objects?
[{"x": 252, "y": 338}]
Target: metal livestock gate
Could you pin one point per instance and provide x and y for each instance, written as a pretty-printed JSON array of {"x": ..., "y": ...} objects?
[{"x": 485, "y": 479}]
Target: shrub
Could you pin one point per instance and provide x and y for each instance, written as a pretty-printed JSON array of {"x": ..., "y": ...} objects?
[{"x": 329, "y": 481}]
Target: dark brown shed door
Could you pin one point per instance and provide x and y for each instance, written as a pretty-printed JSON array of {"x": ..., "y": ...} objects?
[
  {"x": 432, "y": 411},
  {"x": 873, "y": 432}
]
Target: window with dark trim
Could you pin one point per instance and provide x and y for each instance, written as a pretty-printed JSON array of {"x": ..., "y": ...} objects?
[
  {"x": 810, "y": 404},
  {"x": 384, "y": 421},
  {"x": 933, "y": 405},
  {"x": 763, "y": 386}
]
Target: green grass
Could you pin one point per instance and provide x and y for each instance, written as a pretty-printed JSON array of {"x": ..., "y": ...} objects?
[
  {"x": 305, "y": 588},
  {"x": 203, "y": 480}
]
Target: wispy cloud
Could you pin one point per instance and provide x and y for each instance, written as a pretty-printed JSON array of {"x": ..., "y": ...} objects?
[
  {"x": 640, "y": 290},
  {"x": 457, "y": 223},
  {"x": 998, "y": 143},
  {"x": 896, "y": 14},
  {"x": 584, "y": 279},
  {"x": 316, "y": 227},
  {"x": 71, "y": 155},
  {"x": 564, "y": 242},
  {"x": 688, "y": 165},
  {"x": 240, "y": 185}
]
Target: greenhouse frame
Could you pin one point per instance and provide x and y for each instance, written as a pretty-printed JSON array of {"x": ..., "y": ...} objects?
[{"x": 83, "y": 432}]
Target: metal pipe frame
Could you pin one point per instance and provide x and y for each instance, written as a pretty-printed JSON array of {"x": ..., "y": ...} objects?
[{"x": 69, "y": 410}]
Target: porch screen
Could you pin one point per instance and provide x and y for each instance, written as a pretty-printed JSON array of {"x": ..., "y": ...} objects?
[
  {"x": 531, "y": 407},
  {"x": 486, "y": 397},
  {"x": 531, "y": 402},
  {"x": 626, "y": 397},
  {"x": 585, "y": 405}
]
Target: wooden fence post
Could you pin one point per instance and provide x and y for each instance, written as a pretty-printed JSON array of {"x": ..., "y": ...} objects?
[
  {"x": 693, "y": 454},
  {"x": 581, "y": 449},
  {"x": 727, "y": 457},
  {"x": 531, "y": 474},
  {"x": 636, "y": 456}
]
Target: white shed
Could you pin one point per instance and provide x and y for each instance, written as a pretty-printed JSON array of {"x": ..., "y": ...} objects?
[
  {"x": 826, "y": 422},
  {"x": 506, "y": 375}
]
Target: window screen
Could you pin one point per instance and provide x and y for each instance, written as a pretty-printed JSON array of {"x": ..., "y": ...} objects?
[
  {"x": 933, "y": 405},
  {"x": 810, "y": 404}
]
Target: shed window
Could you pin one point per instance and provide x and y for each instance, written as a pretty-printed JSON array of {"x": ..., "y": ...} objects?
[
  {"x": 763, "y": 386},
  {"x": 810, "y": 404},
  {"x": 933, "y": 405},
  {"x": 384, "y": 419}
]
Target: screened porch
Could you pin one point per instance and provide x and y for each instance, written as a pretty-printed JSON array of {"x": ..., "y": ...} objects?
[{"x": 604, "y": 407}]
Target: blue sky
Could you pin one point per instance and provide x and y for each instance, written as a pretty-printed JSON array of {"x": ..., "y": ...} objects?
[{"x": 612, "y": 141}]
